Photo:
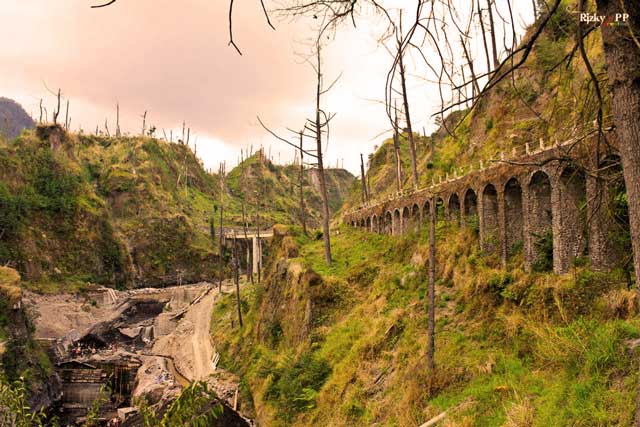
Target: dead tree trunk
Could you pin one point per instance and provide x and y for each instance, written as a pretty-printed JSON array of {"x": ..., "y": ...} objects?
[
  {"x": 303, "y": 214},
  {"x": 118, "y": 120},
  {"x": 407, "y": 116},
  {"x": 396, "y": 149},
  {"x": 56, "y": 113},
  {"x": 431, "y": 327},
  {"x": 236, "y": 277},
  {"x": 245, "y": 226},
  {"x": 484, "y": 39},
  {"x": 623, "y": 68},
  {"x": 323, "y": 184},
  {"x": 492, "y": 32},
  {"x": 365, "y": 194},
  {"x": 474, "y": 80},
  {"x": 144, "y": 123},
  {"x": 221, "y": 232},
  {"x": 258, "y": 247},
  {"x": 66, "y": 117}
]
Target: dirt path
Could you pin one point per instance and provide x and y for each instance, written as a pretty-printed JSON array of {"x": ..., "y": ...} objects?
[{"x": 190, "y": 345}]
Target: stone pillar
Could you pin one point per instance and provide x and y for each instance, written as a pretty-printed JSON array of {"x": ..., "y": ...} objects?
[
  {"x": 556, "y": 224},
  {"x": 602, "y": 253},
  {"x": 527, "y": 240},
  {"x": 502, "y": 225},
  {"x": 572, "y": 241},
  {"x": 481, "y": 225},
  {"x": 257, "y": 255}
]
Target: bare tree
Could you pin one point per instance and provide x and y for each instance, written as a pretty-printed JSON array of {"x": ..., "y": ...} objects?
[
  {"x": 67, "y": 122},
  {"x": 144, "y": 123},
  {"x": 56, "y": 112},
  {"x": 363, "y": 176},
  {"x": 220, "y": 228},
  {"x": 303, "y": 213},
  {"x": 396, "y": 150},
  {"x": 431, "y": 326},
  {"x": 118, "y": 134},
  {"x": 405, "y": 102},
  {"x": 236, "y": 276}
]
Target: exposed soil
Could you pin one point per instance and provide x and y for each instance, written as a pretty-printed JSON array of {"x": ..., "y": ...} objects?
[{"x": 145, "y": 343}]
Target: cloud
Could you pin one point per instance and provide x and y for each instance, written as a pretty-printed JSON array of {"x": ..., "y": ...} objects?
[{"x": 172, "y": 59}]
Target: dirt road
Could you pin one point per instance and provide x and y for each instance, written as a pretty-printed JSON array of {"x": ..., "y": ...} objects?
[{"x": 190, "y": 344}]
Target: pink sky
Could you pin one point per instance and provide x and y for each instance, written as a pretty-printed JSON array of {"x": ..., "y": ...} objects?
[{"x": 171, "y": 58}]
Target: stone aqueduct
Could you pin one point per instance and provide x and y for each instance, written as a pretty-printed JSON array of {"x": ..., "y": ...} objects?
[{"x": 515, "y": 203}]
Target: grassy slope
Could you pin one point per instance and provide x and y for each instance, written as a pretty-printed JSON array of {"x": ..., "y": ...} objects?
[
  {"x": 537, "y": 103},
  {"x": 119, "y": 211},
  {"x": 102, "y": 210},
  {"x": 278, "y": 191},
  {"x": 346, "y": 345},
  {"x": 348, "y": 348}
]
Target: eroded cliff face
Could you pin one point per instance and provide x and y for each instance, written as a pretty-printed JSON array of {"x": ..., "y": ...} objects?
[{"x": 21, "y": 356}]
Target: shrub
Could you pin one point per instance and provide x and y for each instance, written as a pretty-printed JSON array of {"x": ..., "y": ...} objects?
[
  {"x": 293, "y": 388},
  {"x": 544, "y": 247}
]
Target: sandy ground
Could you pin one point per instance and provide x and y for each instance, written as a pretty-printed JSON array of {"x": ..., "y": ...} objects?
[
  {"x": 190, "y": 345},
  {"x": 58, "y": 315}
]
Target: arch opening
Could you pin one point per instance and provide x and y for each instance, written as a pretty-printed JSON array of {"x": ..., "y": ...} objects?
[
  {"x": 540, "y": 233},
  {"x": 397, "y": 223},
  {"x": 471, "y": 210},
  {"x": 415, "y": 217},
  {"x": 388, "y": 223},
  {"x": 514, "y": 222},
  {"x": 454, "y": 207},
  {"x": 490, "y": 233},
  {"x": 406, "y": 218}
]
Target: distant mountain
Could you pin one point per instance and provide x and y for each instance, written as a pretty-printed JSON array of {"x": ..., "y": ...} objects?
[{"x": 13, "y": 118}]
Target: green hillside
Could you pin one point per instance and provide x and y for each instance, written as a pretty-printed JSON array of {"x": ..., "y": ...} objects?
[
  {"x": 129, "y": 211},
  {"x": 277, "y": 189}
]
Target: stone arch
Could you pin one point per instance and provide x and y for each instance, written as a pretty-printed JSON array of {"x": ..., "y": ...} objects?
[
  {"x": 415, "y": 217},
  {"x": 426, "y": 211},
  {"x": 397, "y": 223},
  {"x": 539, "y": 236},
  {"x": 440, "y": 209},
  {"x": 388, "y": 223},
  {"x": 368, "y": 224},
  {"x": 374, "y": 224},
  {"x": 514, "y": 220},
  {"x": 572, "y": 234},
  {"x": 454, "y": 207},
  {"x": 406, "y": 218},
  {"x": 489, "y": 220},
  {"x": 471, "y": 208}
]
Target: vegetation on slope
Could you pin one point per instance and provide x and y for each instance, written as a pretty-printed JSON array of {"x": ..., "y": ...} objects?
[
  {"x": 109, "y": 211},
  {"x": 345, "y": 345},
  {"x": 277, "y": 189},
  {"x": 22, "y": 362},
  {"x": 543, "y": 101},
  {"x": 126, "y": 211}
]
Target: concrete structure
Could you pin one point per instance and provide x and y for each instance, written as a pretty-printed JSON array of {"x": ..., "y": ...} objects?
[
  {"x": 256, "y": 244},
  {"x": 516, "y": 202}
]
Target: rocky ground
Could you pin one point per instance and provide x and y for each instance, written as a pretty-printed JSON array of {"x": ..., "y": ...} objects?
[{"x": 165, "y": 331}]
